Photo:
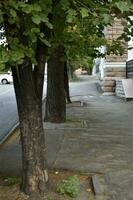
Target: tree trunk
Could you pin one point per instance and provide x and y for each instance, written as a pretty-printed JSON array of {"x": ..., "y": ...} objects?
[
  {"x": 31, "y": 128},
  {"x": 28, "y": 84},
  {"x": 66, "y": 83},
  {"x": 55, "y": 100},
  {"x": 71, "y": 70}
]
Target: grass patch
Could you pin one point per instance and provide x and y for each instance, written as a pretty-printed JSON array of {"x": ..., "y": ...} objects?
[
  {"x": 10, "y": 181},
  {"x": 69, "y": 187}
]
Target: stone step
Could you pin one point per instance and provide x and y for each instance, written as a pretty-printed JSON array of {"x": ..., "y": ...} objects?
[{"x": 119, "y": 89}]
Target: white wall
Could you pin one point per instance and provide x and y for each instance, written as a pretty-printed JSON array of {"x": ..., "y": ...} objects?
[{"x": 130, "y": 52}]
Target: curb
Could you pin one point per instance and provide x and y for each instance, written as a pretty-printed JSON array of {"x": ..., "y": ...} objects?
[
  {"x": 15, "y": 127},
  {"x": 99, "y": 187},
  {"x": 96, "y": 185}
]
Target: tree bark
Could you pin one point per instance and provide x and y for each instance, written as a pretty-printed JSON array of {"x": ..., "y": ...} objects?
[
  {"x": 55, "y": 100},
  {"x": 66, "y": 83},
  {"x": 31, "y": 129},
  {"x": 71, "y": 70}
]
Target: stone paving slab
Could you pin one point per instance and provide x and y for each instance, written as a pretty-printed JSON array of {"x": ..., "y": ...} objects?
[
  {"x": 116, "y": 185},
  {"x": 96, "y": 154}
]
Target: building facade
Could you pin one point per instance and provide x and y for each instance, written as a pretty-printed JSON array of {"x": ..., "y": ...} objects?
[{"x": 114, "y": 66}]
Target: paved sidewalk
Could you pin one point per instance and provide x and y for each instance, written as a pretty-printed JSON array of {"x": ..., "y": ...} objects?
[{"x": 97, "y": 139}]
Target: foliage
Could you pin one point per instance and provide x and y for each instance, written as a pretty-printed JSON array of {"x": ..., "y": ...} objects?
[
  {"x": 21, "y": 22},
  {"x": 11, "y": 181},
  {"x": 69, "y": 187},
  {"x": 83, "y": 34},
  {"x": 86, "y": 63},
  {"x": 78, "y": 25},
  {"x": 50, "y": 198}
]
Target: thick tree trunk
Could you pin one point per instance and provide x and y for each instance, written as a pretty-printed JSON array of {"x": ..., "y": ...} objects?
[
  {"x": 55, "y": 100},
  {"x": 31, "y": 128},
  {"x": 28, "y": 84},
  {"x": 66, "y": 83}
]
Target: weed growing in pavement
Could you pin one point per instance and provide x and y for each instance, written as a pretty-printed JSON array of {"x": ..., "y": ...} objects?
[
  {"x": 50, "y": 198},
  {"x": 69, "y": 187},
  {"x": 10, "y": 181}
]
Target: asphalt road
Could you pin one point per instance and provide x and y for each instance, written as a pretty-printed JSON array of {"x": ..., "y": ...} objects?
[{"x": 8, "y": 110}]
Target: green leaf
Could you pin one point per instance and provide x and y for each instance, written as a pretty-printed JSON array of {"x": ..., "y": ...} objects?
[
  {"x": 123, "y": 6},
  {"x": 37, "y": 7},
  {"x": 84, "y": 12},
  {"x": 13, "y": 13},
  {"x": 65, "y": 4},
  {"x": 106, "y": 18},
  {"x": 41, "y": 35},
  {"x": 45, "y": 19},
  {"x": 35, "y": 30},
  {"x": 46, "y": 42},
  {"x": 4, "y": 56},
  {"x": 36, "y": 19},
  {"x": 49, "y": 25},
  {"x": 29, "y": 52},
  {"x": 2, "y": 66},
  {"x": 17, "y": 55},
  {"x": 27, "y": 9},
  {"x": 71, "y": 15},
  {"x": 22, "y": 4}
]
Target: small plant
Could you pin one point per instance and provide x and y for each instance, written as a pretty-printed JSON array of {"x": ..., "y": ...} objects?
[
  {"x": 11, "y": 181},
  {"x": 69, "y": 187},
  {"x": 50, "y": 198}
]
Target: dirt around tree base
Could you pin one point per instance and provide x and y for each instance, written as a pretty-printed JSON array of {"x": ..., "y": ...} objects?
[{"x": 9, "y": 187}]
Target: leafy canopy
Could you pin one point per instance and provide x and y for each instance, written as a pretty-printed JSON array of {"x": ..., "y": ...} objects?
[{"x": 76, "y": 24}]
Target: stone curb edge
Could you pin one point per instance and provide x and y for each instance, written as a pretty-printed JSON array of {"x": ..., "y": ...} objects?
[{"x": 15, "y": 127}]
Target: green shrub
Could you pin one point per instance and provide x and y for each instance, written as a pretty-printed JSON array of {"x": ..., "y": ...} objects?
[
  {"x": 11, "y": 180},
  {"x": 69, "y": 187},
  {"x": 50, "y": 198}
]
